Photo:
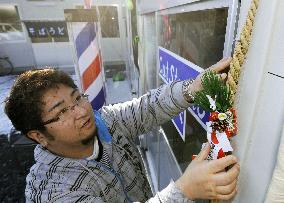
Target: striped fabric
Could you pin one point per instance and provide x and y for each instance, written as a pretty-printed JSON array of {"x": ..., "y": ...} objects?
[
  {"x": 105, "y": 159},
  {"x": 89, "y": 61},
  {"x": 60, "y": 179}
]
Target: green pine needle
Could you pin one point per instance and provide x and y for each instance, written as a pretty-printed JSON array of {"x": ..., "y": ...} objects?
[{"x": 213, "y": 86}]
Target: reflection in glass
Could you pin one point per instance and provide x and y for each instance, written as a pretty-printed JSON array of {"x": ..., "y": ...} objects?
[
  {"x": 10, "y": 25},
  {"x": 199, "y": 37},
  {"x": 195, "y": 135},
  {"x": 108, "y": 21}
]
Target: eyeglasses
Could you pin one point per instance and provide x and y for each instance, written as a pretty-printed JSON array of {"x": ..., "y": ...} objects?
[{"x": 65, "y": 113}]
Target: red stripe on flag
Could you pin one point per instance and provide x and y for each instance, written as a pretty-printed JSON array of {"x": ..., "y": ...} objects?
[{"x": 91, "y": 73}]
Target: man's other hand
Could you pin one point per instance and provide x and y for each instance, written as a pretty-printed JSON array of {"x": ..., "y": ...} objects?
[
  {"x": 209, "y": 179},
  {"x": 218, "y": 68}
]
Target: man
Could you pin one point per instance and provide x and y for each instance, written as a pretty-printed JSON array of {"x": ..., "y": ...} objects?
[{"x": 86, "y": 156}]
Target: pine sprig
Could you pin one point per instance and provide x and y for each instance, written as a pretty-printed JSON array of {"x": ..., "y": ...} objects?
[{"x": 217, "y": 89}]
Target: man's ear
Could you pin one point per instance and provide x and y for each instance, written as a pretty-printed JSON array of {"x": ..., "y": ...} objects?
[{"x": 38, "y": 136}]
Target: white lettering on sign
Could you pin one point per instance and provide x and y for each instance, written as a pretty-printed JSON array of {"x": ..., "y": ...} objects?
[
  {"x": 181, "y": 117},
  {"x": 173, "y": 75},
  {"x": 201, "y": 113},
  {"x": 169, "y": 74},
  {"x": 173, "y": 67}
]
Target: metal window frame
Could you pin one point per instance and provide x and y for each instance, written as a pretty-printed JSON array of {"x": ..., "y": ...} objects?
[
  {"x": 148, "y": 6},
  {"x": 232, "y": 6}
]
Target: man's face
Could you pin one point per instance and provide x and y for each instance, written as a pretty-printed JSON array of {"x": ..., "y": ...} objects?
[{"x": 76, "y": 126}]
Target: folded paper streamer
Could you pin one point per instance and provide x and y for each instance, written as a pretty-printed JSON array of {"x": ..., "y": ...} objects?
[
  {"x": 216, "y": 99},
  {"x": 219, "y": 132}
]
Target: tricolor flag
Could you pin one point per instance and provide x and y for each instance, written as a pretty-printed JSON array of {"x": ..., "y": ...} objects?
[{"x": 85, "y": 35}]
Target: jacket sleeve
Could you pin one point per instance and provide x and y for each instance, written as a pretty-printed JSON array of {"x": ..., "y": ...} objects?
[
  {"x": 140, "y": 115},
  {"x": 75, "y": 196},
  {"x": 170, "y": 194}
]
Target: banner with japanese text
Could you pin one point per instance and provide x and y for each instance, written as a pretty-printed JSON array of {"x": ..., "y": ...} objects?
[{"x": 43, "y": 29}]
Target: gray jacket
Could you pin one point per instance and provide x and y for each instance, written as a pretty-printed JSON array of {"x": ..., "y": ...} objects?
[{"x": 59, "y": 179}]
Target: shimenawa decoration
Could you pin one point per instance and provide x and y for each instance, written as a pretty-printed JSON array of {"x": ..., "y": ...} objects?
[{"x": 216, "y": 98}]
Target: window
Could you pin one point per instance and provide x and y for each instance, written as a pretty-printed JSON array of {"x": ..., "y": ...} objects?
[
  {"x": 10, "y": 24},
  {"x": 108, "y": 21},
  {"x": 199, "y": 37}
]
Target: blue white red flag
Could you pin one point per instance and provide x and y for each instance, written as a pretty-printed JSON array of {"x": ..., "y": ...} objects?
[{"x": 89, "y": 61}]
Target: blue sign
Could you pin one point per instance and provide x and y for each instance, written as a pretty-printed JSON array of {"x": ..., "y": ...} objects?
[{"x": 174, "y": 67}]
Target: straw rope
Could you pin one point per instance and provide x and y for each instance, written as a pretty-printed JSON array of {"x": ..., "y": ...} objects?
[
  {"x": 241, "y": 49},
  {"x": 240, "y": 53}
]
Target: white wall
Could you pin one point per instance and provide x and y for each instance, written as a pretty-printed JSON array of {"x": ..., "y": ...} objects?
[{"x": 261, "y": 99}]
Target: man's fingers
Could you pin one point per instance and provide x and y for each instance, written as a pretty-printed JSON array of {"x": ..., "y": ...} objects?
[
  {"x": 227, "y": 189},
  {"x": 223, "y": 59},
  {"x": 228, "y": 196},
  {"x": 221, "y": 65},
  {"x": 223, "y": 76},
  {"x": 226, "y": 178},
  {"x": 220, "y": 164},
  {"x": 204, "y": 153}
]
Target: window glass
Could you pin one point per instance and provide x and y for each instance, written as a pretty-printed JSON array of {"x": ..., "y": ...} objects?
[
  {"x": 10, "y": 24},
  {"x": 108, "y": 20},
  {"x": 199, "y": 37}
]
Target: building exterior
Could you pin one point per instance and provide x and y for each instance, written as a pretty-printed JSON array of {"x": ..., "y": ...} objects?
[
  {"x": 171, "y": 34},
  {"x": 202, "y": 32},
  {"x": 39, "y": 37}
]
